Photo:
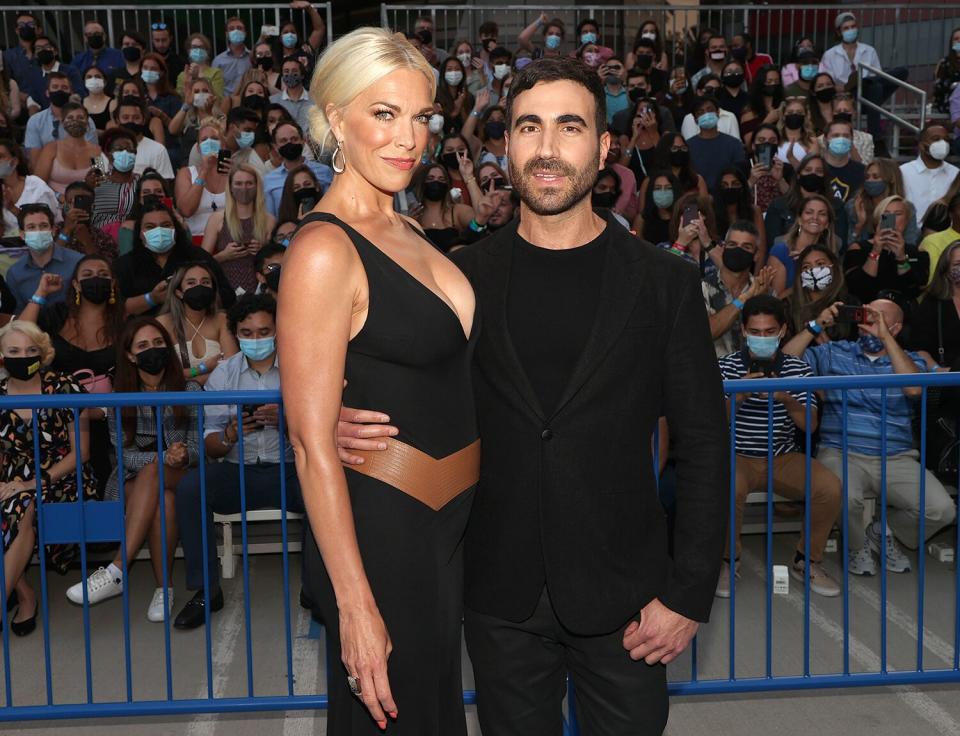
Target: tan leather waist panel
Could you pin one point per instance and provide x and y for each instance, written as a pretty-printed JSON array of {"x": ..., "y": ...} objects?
[{"x": 432, "y": 482}]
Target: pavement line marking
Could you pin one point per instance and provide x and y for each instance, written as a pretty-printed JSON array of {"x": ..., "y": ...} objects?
[
  {"x": 306, "y": 674},
  {"x": 920, "y": 703},
  {"x": 228, "y": 631}
]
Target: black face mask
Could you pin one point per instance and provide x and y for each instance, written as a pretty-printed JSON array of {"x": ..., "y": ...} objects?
[
  {"x": 732, "y": 80},
  {"x": 273, "y": 279},
  {"x": 199, "y": 297},
  {"x": 291, "y": 151},
  {"x": 136, "y": 128},
  {"x": 153, "y": 360},
  {"x": 737, "y": 260},
  {"x": 302, "y": 195},
  {"x": 96, "y": 289},
  {"x": 450, "y": 161},
  {"x": 425, "y": 36},
  {"x": 435, "y": 190},
  {"x": 730, "y": 195},
  {"x": 23, "y": 369},
  {"x": 812, "y": 183},
  {"x": 794, "y": 121},
  {"x": 604, "y": 200},
  {"x": 740, "y": 54},
  {"x": 96, "y": 41},
  {"x": 265, "y": 62},
  {"x": 770, "y": 90},
  {"x": 253, "y": 102},
  {"x": 644, "y": 60},
  {"x": 59, "y": 98},
  {"x": 495, "y": 129},
  {"x": 825, "y": 95},
  {"x": 679, "y": 158},
  {"x": 46, "y": 56},
  {"x": 131, "y": 53},
  {"x": 27, "y": 33},
  {"x": 842, "y": 117},
  {"x": 637, "y": 94}
]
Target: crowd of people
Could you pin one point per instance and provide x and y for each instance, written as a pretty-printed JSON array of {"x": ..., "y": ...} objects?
[{"x": 155, "y": 187}]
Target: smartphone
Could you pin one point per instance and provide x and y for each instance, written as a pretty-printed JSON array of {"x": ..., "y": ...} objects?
[
  {"x": 888, "y": 221},
  {"x": 765, "y": 155},
  {"x": 251, "y": 408},
  {"x": 762, "y": 366},
  {"x": 847, "y": 314},
  {"x": 223, "y": 155},
  {"x": 690, "y": 213},
  {"x": 83, "y": 202},
  {"x": 266, "y": 31}
]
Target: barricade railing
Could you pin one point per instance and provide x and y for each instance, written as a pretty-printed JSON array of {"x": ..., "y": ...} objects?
[
  {"x": 64, "y": 23},
  {"x": 900, "y": 87},
  {"x": 711, "y": 666},
  {"x": 916, "y": 36}
]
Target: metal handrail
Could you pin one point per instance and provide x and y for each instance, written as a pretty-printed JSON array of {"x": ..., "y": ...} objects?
[{"x": 861, "y": 67}]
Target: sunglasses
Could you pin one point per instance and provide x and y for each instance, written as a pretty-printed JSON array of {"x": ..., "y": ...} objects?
[{"x": 158, "y": 26}]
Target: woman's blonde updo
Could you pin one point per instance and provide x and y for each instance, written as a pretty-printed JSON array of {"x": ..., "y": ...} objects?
[{"x": 352, "y": 64}]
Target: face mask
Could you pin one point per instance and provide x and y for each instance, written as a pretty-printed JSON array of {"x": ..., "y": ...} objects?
[
  {"x": 939, "y": 150},
  {"x": 874, "y": 187},
  {"x": 730, "y": 195},
  {"x": 136, "y": 128},
  {"x": 254, "y": 102},
  {"x": 435, "y": 124},
  {"x": 96, "y": 289},
  {"x": 289, "y": 40},
  {"x": 150, "y": 76},
  {"x": 75, "y": 128},
  {"x": 591, "y": 58},
  {"x": 209, "y": 147},
  {"x": 38, "y": 240},
  {"x": 273, "y": 279},
  {"x": 679, "y": 158},
  {"x": 840, "y": 146},
  {"x": 94, "y": 84},
  {"x": 199, "y": 297},
  {"x": 435, "y": 190},
  {"x": 198, "y": 55},
  {"x": 495, "y": 129},
  {"x": 153, "y": 360},
  {"x": 843, "y": 117},
  {"x": 603, "y": 200},
  {"x": 737, "y": 260},
  {"x": 453, "y": 78},
  {"x": 588, "y": 37},
  {"x": 740, "y": 54},
  {"x": 201, "y": 100},
  {"x": 425, "y": 36},
  {"x": 131, "y": 53},
  {"x": 637, "y": 94},
  {"x": 59, "y": 98},
  {"x": 663, "y": 198},
  {"x": 159, "y": 239},
  {"x": 304, "y": 193},
  {"x": 811, "y": 183},
  {"x": 817, "y": 278},
  {"x": 763, "y": 347},
  {"x": 501, "y": 70},
  {"x": 732, "y": 80},
  {"x": 552, "y": 42},
  {"x": 644, "y": 60},
  {"x": 465, "y": 59},
  {"x": 956, "y": 48},
  {"x": 291, "y": 151},
  {"x": 246, "y": 138},
  {"x": 46, "y": 56},
  {"x": 870, "y": 343},
  {"x": 718, "y": 55},
  {"x": 237, "y": 36},
  {"x": 96, "y": 41},
  {"x": 27, "y": 33},
  {"x": 769, "y": 90},
  {"x": 292, "y": 80},
  {"x": 794, "y": 121},
  {"x": 6, "y": 168},
  {"x": 22, "y": 369},
  {"x": 450, "y": 161},
  {"x": 649, "y": 35},
  {"x": 708, "y": 121},
  {"x": 955, "y": 274},
  {"x": 243, "y": 196},
  {"x": 265, "y": 63},
  {"x": 258, "y": 349},
  {"x": 808, "y": 72},
  {"x": 826, "y": 94},
  {"x": 850, "y": 35}
]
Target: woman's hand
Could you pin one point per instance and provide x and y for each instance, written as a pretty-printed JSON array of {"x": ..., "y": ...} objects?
[
  {"x": 893, "y": 241},
  {"x": 688, "y": 233},
  {"x": 365, "y": 648},
  {"x": 50, "y": 283},
  {"x": 14, "y": 487},
  {"x": 481, "y": 101},
  {"x": 465, "y": 165},
  {"x": 253, "y": 247},
  {"x": 233, "y": 251},
  {"x": 176, "y": 456}
]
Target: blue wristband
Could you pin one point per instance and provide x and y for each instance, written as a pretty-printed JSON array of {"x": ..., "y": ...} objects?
[
  {"x": 813, "y": 327},
  {"x": 38, "y": 300},
  {"x": 202, "y": 367},
  {"x": 738, "y": 304},
  {"x": 148, "y": 298},
  {"x": 63, "y": 237}
]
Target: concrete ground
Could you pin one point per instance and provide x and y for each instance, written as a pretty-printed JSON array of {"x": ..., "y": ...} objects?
[{"x": 875, "y": 711}]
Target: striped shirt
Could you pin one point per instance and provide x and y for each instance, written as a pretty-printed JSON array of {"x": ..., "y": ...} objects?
[
  {"x": 846, "y": 358},
  {"x": 753, "y": 413}
]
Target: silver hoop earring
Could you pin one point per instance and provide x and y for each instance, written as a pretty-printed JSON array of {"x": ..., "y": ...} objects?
[{"x": 343, "y": 160}]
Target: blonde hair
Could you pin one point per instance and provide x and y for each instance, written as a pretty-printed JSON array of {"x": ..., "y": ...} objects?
[
  {"x": 886, "y": 202},
  {"x": 261, "y": 225},
  {"x": 353, "y": 63},
  {"x": 39, "y": 338}
]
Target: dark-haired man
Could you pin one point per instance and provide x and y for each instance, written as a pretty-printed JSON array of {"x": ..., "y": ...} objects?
[
  {"x": 132, "y": 115},
  {"x": 253, "y": 321},
  {"x": 161, "y": 38},
  {"x": 288, "y": 142},
  {"x": 44, "y": 126},
  {"x": 242, "y": 124},
  {"x": 710, "y": 150},
  {"x": 267, "y": 265},
  {"x": 35, "y": 83},
  {"x": 45, "y": 255},
  {"x": 590, "y": 334},
  {"x": 294, "y": 97},
  {"x": 18, "y": 59},
  {"x": 742, "y": 49}
]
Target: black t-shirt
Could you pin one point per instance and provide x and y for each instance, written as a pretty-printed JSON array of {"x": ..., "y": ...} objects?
[
  {"x": 551, "y": 305},
  {"x": 844, "y": 181}
]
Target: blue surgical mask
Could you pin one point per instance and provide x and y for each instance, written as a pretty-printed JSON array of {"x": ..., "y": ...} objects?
[
  {"x": 246, "y": 138},
  {"x": 198, "y": 55},
  {"x": 289, "y": 40},
  {"x": 840, "y": 146},
  {"x": 850, "y": 35},
  {"x": 763, "y": 347},
  {"x": 808, "y": 72},
  {"x": 150, "y": 76},
  {"x": 159, "y": 239},
  {"x": 874, "y": 187},
  {"x": 552, "y": 42},
  {"x": 588, "y": 37},
  {"x": 237, "y": 36},
  {"x": 663, "y": 198},
  {"x": 258, "y": 349},
  {"x": 870, "y": 343},
  {"x": 708, "y": 121},
  {"x": 209, "y": 147},
  {"x": 956, "y": 48},
  {"x": 38, "y": 240},
  {"x": 123, "y": 161}
]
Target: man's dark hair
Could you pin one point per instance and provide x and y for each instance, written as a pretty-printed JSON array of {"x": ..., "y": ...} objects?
[
  {"x": 42, "y": 37},
  {"x": 268, "y": 251},
  {"x": 135, "y": 35},
  {"x": 129, "y": 101},
  {"x": 501, "y": 52},
  {"x": 764, "y": 304},
  {"x": 645, "y": 43},
  {"x": 587, "y": 22},
  {"x": 933, "y": 124},
  {"x": 747, "y": 38},
  {"x": 488, "y": 28},
  {"x": 239, "y": 115},
  {"x": 557, "y": 70},
  {"x": 701, "y": 102},
  {"x": 744, "y": 226},
  {"x": 702, "y": 82},
  {"x": 32, "y": 209},
  {"x": 844, "y": 123},
  {"x": 291, "y": 123},
  {"x": 78, "y": 186},
  {"x": 250, "y": 304},
  {"x": 296, "y": 60},
  {"x": 638, "y": 72},
  {"x": 57, "y": 75},
  {"x": 611, "y": 173}
]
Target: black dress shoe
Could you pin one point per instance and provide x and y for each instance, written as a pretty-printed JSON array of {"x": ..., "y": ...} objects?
[
  {"x": 12, "y": 600},
  {"x": 22, "y": 628},
  {"x": 192, "y": 614}
]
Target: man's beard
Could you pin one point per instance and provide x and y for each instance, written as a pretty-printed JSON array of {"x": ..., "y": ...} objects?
[{"x": 552, "y": 200}]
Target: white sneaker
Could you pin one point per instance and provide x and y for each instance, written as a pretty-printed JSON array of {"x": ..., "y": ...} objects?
[
  {"x": 861, "y": 562},
  {"x": 820, "y": 581},
  {"x": 100, "y": 586},
  {"x": 155, "y": 611},
  {"x": 723, "y": 583},
  {"x": 897, "y": 561}
]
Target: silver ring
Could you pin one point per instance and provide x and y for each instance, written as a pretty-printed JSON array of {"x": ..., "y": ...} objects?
[{"x": 354, "y": 683}]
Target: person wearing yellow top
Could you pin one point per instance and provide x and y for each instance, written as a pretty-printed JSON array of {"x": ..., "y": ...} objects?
[
  {"x": 936, "y": 243},
  {"x": 199, "y": 54}
]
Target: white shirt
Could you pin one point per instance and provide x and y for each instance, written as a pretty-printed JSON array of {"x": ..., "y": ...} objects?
[
  {"x": 836, "y": 63},
  {"x": 923, "y": 186},
  {"x": 151, "y": 155},
  {"x": 727, "y": 124},
  {"x": 35, "y": 191}
]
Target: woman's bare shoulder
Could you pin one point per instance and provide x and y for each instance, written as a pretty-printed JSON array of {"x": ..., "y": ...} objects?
[{"x": 322, "y": 245}]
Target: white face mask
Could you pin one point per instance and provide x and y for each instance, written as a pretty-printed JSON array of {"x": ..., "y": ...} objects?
[
  {"x": 939, "y": 150},
  {"x": 817, "y": 278},
  {"x": 201, "y": 99},
  {"x": 453, "y": 78},
  {"x": 501, "y": 70},
  {"x": 435, "y": 125},
  {"x": 465, "y": 59},
  {"x": 94, "y": 84}
]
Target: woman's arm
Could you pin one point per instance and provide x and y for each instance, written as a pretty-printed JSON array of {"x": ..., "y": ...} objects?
[
  {"x": 228, "y": 343},
  {"x": 321, "y": 296},
  {"x": 187, "y": 193},
  {"x": 178, "y": 122},
  {"x": 523, "y": 40},
  {"x": 464, "y": 213},
  {"x": 702, "y": 187},
  {"x": 211, "y": 231},
  {"x": 159, "y": 134},
  {"x": 16, "y": 106},
  {"x": 44, "y": 163},
  {"x": 761, "y": 260}
]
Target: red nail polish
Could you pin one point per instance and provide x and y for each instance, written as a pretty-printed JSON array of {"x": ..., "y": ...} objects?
[
  {"x": 392, "y": 714},
  {"x": 382, "y": 725}
]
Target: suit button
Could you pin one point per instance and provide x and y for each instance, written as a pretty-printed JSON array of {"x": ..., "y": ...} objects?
[{"x": 546, "y": 434}]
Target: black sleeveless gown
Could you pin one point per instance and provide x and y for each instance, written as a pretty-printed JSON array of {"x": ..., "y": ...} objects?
[{"x": 411, "y": 360}]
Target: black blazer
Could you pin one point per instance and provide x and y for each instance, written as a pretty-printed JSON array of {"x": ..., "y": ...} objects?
[{"x": 569, "y": 498}]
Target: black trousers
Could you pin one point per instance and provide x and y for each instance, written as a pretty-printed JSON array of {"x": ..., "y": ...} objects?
[{"x": 521, "y": 668}]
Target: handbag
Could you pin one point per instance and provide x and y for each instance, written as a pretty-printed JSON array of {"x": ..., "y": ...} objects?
[{"x": 94, "y": 383}]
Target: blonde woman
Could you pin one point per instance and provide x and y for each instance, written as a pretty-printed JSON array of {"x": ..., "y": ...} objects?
[
  {"x": 797, "y": 135},
  {"x": 814, "y": 225},
  {"x": 201, "y": 189},
  {"x": 882, "y": 179},
  {"x": 235, "y": 234},
  {"x": 367, "y": 298}
]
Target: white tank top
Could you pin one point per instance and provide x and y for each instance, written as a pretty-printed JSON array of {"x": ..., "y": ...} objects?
[{"x": 209, "y": 203}]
